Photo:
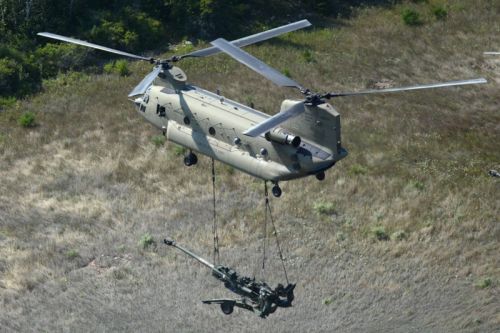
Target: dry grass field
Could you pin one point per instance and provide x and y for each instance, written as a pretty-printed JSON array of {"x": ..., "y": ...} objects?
[{"x": 402, "y": 236}]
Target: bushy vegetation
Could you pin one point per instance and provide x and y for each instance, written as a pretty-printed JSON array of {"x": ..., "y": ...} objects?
[
  {"x": 134, "y": 26},
  {"x": 440, "y": 12},
  {"x": 484, "y": 283},
  {"x": 119, "y": 67},
  {"x": 146, "y": 241},
  {"x": 158, "y": 140},
  {"x": 324, "y": 208},
  {"x": 380, "y": 233},
  {"x": 27, "y": 119},
  {"x": 411, "y": 17}
]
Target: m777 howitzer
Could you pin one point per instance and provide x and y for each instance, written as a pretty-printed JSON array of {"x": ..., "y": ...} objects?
[{"x": 256, "y": 296}]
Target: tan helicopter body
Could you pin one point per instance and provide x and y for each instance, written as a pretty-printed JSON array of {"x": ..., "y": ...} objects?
[
  {"x": 213, "y": 125},
  {"x": 302, "y": 139}
]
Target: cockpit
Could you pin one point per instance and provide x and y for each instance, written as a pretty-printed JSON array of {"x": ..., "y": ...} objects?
[{"x": 141, "y": 102}]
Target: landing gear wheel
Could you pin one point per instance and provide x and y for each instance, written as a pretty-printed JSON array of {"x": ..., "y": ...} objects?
[
  {"x": 227, "y": 307},
  {"x": 320, "y": 176},
  {"x": 276, "y": 191},
  {"x": 190, "y": 159}
]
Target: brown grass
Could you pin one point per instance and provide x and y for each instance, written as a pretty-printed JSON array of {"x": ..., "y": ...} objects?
[{"x": 89, "y": 181}]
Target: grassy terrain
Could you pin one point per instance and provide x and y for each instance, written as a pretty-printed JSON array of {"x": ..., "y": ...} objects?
[{"x": 403, "y": 235}]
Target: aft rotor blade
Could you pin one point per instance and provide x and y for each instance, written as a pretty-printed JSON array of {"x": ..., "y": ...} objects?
[
  {"x": 145, "y": 83},
  {"x": 95, "y": 46},
  {"x": 259, "y": 37},
  {"x": 492, "y": 53},
  {"x": 254, "y": 63},
  {"x": 275, "y": 120},
  {"x": 417, "y": 87}
]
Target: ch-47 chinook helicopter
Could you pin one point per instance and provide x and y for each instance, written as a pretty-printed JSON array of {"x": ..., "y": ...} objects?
[{"x": 302, "y": 139}]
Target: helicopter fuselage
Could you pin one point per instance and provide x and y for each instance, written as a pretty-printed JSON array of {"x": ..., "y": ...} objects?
[
  {"x": 302, "y": 139},
  {"x": 212, "y": 125}
]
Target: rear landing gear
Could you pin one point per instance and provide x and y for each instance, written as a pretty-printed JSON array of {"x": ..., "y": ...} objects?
[
  {"x": 276, "y": 190},
  {"x": 190, "y": 159},
  {"x": 320, "y": 175}
]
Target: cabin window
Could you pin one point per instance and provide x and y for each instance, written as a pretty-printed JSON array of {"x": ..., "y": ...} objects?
[
  {"x": 143, "y": 108},
  {"x": 211, "y": 130},
  {"x": 187, "y": 121}
]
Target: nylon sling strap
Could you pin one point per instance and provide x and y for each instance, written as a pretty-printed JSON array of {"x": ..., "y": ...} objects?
[
  {"x": 275, "y": 232},
  {"x": 214, "y": 228}
]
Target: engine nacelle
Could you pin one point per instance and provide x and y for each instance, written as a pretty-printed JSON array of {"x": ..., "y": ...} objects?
[{"x": 279, "y": 135}]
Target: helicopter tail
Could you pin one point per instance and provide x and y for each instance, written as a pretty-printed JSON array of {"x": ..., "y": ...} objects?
[{"x": 318, "y": 123}]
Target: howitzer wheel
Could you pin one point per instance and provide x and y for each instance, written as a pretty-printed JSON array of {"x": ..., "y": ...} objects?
[{"x": 227, "y": 307}]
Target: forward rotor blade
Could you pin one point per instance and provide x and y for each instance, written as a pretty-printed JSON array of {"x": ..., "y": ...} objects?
[
  {"x": 145, "y": 83},
  {"x": 275, "y": 120},
  {"x": 95, "y": 46},
  {"x": 261, "y": 36},
  {"x": 254, "y": 63},
  {"x": 492, "y": 53},
  {"x": 418, "y": 87}
]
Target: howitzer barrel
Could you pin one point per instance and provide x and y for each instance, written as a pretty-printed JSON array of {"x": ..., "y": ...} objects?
[{"x": 171, "y": 242}]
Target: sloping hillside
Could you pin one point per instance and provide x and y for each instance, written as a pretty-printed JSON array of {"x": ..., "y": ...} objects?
[{"x": 403, "y": 235}]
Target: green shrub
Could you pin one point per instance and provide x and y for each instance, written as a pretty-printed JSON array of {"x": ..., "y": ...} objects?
[
  {"x": 411, "y": 17},
  {"x": 65, "y": 79},
  {"x": 418, "y": 185},
  {"x": 27, "y": 119},
  {"x": 229, "y": 169},
  {"x": 7, "y": 102},
  {"x": 440, "y": 13},
  {"x": 150, "y": 31},
  {"x": 146, "y": 241},
  {"x": 308, "y": 56},
  {"x": 55, "y": 58},
  {"x": 340, "y": 236},
  {"x": 109, "y": 68},
  {"x": 357, "y": 169},
  {"x": 399, "y": 235},
  {"x": 119, "y": 67},
  {"x": 115, "y": 35},
  {"x": 179, "y": 150},
  {"x": 9, "y": 76},
  {"x": 158, "y": 140},
  {"x": 380, "y": 234},
  {"x": 327, "y": 301},
  {"x": 72, "y": 254},
  {"x": 19, "y": 76},
  {"x": 286, "y": 72},
  {"x": 484, "y": 283},
  {"x": 324, "y": 208}
]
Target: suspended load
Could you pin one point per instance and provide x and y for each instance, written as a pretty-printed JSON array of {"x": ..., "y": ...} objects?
[{"x": 256, "y": 296}]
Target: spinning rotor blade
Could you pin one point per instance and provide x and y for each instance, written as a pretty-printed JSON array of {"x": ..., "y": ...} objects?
[
  {"x": 254, "y": 63},
  {"x": 418, "y": 87},
  {"x": 146, "y": 82},
  {"x": 95, "y": 46},
  {"x": 261, "y": 36},
  {"x": 275, "y": 120},
  {"x": 492, "y": 53}
]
